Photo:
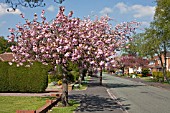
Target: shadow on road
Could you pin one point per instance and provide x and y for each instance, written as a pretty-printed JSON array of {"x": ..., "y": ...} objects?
[
  {"x": 93, "y": 103},
  {"x": 115, "y": 85}
]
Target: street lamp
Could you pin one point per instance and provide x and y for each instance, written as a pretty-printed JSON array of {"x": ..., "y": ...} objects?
[{"x": 28, "y": 3}]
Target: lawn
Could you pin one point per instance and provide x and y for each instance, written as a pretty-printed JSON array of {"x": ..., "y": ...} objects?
[
  {"x": 69, "y": 109},
  {"x": 148, "y": 79},
  {"x": 9, "y": 104},
  {"x": 83, "y": 87}
]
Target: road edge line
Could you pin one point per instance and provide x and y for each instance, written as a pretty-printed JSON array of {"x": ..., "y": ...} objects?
[{"x": 119, "y": 103}]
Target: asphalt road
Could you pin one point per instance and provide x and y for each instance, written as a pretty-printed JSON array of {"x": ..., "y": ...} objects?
[{"x": 137, "y": 97}]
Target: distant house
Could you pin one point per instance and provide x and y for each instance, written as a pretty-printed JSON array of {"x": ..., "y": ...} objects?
[
  {"x": 6, "y": 57},
  {"x": 155, "y": 63}
]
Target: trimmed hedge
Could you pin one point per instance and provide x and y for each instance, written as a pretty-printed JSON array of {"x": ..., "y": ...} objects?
[{"x": 23, "y": 79}]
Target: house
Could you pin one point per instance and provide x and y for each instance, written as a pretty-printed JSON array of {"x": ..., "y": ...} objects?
[
  {"x": 155, "y": 63},
  {"x": 6, "y": 57}
]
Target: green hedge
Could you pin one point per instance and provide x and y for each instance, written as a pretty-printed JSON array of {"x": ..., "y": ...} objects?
[
  {"x": 158, "y": 76},
  {"x": 23, "y": 79}
]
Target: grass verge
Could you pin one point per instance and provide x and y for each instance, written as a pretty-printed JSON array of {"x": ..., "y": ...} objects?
[
  {"x": 148, "y": 79},
  {"x": 81, "y": 87},
  {"x": 9, "y": 104},
  {"x": 69, "y": 109}
]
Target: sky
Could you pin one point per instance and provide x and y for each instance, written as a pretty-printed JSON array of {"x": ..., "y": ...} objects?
[{"x": 120, "y": 10}]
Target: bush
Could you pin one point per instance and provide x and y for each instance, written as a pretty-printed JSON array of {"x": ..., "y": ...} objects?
[
  {"x": 145, "y": 71},
  {"x": 158, "y": 76},
  {"x": 59, "y": 82},
  {"x": 52, "y": 78},
  {"x": 23, "y": 79},
  {"x": 139, "y": 75},
  {"x": 73, "y": 72}
]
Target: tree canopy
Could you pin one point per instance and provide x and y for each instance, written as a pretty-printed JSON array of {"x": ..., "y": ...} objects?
[
  {"x": 156, "y": 39},
  {"x": 29, "y": 3},
  {"x": 4, "y": 45}
]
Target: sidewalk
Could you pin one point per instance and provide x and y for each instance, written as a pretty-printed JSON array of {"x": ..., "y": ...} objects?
[
  {"x": 95, "y": 99},
  {"x": 48, "y": 92}
]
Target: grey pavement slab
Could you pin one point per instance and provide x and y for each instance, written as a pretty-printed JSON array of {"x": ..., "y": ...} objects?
[{"x": 27, "y": 94}]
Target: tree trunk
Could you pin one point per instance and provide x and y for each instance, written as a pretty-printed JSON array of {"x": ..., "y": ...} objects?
[
  {"x": 64, "y": 97},
  {"x": 80, "y": 78},
  {"x": 101, "y": 76},
  {"x": 123, "y": 70},
  {"x": 84, "y": 71},
  {"x": 165, "y": 63},
  {"x": 164, "y": 74},
  {"x": 128, "y": 72}
]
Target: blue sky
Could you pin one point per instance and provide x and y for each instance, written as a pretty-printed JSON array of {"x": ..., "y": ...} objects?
[{"x": 121, "y": 10}]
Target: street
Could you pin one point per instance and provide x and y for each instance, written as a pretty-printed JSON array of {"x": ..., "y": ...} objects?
[{"x": 137, "y": 97}]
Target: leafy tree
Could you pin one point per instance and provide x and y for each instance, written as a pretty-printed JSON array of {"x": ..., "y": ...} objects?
[
  {"x": 5, "y": 45},
  {"x": 160, "y": 32},
  {"x": 155, "y": 40}
]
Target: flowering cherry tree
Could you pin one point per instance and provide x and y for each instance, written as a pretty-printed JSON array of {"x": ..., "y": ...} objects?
[
  {"x": 102, "y": 40},
  {"x": 55, "y": 42},
  {"x": 132, "y": 61},
  {"x": 66, "y": 39}
]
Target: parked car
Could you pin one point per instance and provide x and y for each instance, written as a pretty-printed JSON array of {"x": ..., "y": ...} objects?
[{"x": 119, "y": 73}]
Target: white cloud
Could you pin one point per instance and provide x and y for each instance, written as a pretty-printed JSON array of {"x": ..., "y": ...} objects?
[
  {"x": 138, "y": 11},
  {"x": 142, "y": 11},
  {"x": 51, "y": 8},
  {"x": 122, "y": 7},
  {"x": 4, "y": 7},
  {"x": 106, "y": 11}
]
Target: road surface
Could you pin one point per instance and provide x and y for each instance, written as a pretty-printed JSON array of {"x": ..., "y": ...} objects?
[{"x": 137, "y": 97}]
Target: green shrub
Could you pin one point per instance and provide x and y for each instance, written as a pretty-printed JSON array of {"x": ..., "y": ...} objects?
[
  {"x": 145, "y": 71},
  {"x": 158, "y": 76},
  {"x": 73, "y": 71},
  {"x": 139, "y": 75},
  {"x": 53, "y": 78},
  {"x": 23, "y": 79},
  {"x": 75, "y": 75}
]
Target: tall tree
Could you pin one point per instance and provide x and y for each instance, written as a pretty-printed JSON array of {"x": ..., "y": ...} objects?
[
  {"x": 161, "y": 30},
  {"x": 155, "y": 40},
  {"x": 5, "y": 45}
]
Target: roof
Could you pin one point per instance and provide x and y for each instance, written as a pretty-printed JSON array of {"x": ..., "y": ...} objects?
[{"x": 6, "y": 57}]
